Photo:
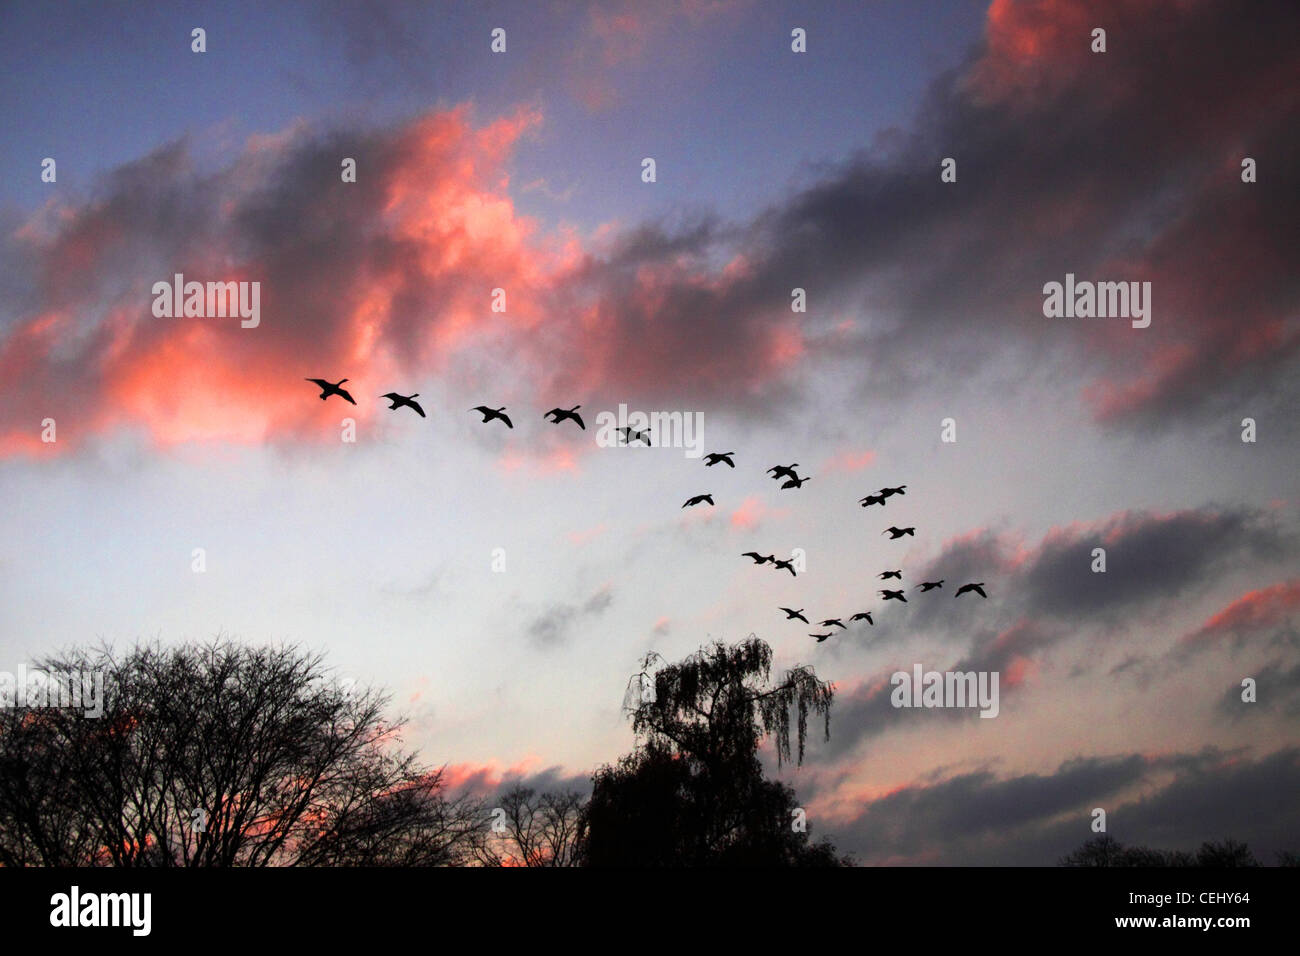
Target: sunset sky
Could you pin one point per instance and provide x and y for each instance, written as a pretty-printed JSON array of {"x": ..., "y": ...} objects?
[{"x": 775, "y": 170}]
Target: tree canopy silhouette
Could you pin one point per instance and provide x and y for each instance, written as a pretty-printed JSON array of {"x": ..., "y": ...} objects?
[
  {"x": 528, "y": 829},
  {"x": 219, "y": 755},
  {"x": 1104, "y": 850},
  {"x": 693, "y": 792}
]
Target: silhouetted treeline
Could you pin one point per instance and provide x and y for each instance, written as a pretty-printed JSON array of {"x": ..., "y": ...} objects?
[
  {"x": 226, "y": 755},
  {"x": 1105, "y": 851}
]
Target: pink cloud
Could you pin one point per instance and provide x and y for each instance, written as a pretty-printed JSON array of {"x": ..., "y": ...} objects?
[
  {"x": 1254, "y": 611},
  {"x": 391, "y": 284},
  {"x": 587, "y": 535},
  {"x": 483, "y": 779},
  {"x": 558, "y": 460},
  {"x": 849, "y": 461},
  {"x": 749, "y": 514}
]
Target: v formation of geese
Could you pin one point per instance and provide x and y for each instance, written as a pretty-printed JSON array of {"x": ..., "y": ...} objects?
[{"x": 792, "y": 479}]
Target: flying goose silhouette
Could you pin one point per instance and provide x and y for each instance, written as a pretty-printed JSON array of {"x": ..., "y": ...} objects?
[
  {"x": 894, "y": 596},
  {"x": 759, "y": 558},
  {"x": 978, "y": 588},
  {"x": 886, "y": 575},
  {"x": 863, "y": 616},
  {"x": 792, "y": 615},
  {"x": 491, "y": 413},
  {"x": 870, "y": 500},
  {"x": 887, "y": 492},
  {"x": 713, "y": 458},
  {"x": 783, "y": 471},
  {"x": 785, "y": 566},
  {"x": 821, "y": 637},
  {"x": 692, "y": 502},
  {"x": 400, "y": 400},
  {"x": 896, "y": 533},
  {"x": 630, "y": 435},
  {"x": 560, "y": 415},
  {"x": 833, "y": 622},
  {"x": 326, "y": 389},
  {"x": 796, "y": 482},
  {"x": 930, "y": 585}
]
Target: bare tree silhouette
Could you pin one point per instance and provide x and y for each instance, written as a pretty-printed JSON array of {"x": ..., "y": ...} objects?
[
  {"x": 545, "y": 830},
  {"x": 220, "y": 755},
  {"x": 1228, "y": 853}
]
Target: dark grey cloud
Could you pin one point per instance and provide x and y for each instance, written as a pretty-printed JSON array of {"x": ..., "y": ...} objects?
[
  {"x": 550, "y": 780},
  {"x": 1118, "y": 166},
  {"x": 554, "y": 625},
  {"x": 1049, "y": 182},
  {"x": 386, "y": 45},
  {"x": 868, "y": 711},
  {"x": 1150, "y": 559},
  {"x": 1047, "y": 595},
  {"x": 1277, "y": 692},
  {"x": 1034, "y": 819}
]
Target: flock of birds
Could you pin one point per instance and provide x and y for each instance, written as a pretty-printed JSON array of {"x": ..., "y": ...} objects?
[
  {"x": 777, "y": 472},
  {"x": 878, "y": 498},
  {"x": 409, "y": 401}
]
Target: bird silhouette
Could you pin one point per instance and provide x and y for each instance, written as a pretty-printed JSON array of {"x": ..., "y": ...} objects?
[
  {"x": 630, "y": 435},
  {"x": 863, "y": 616},
  {"x": 561, "y": 414},
  {"x": 792, "y": 615},
  {"x": 894, "y": 596},
  {"x": 887, "y": 492},
  {"x": 783, "y": 471},
  {"x": 795, "y": 482},
  {"x": 833, "y": 621},
  {"x": 821, "y": 637},
  {"x": 896, "y": 533},
  {"x": 491, "y": 413},
  {"x": 692, "y": 502},
  {"x": 713, "y": 458},
  {"x": 870, "y": 500},
  {"x": 400, "y": 400},
  {"x": 785, "y": 566},
  {"x": 930, "y": 585},
  {"x": 759, "y": 558},
  {"x": 326, "y": 389},
  {"x": 978, "y": 588},
  {"x": 886, "y": 575}
]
